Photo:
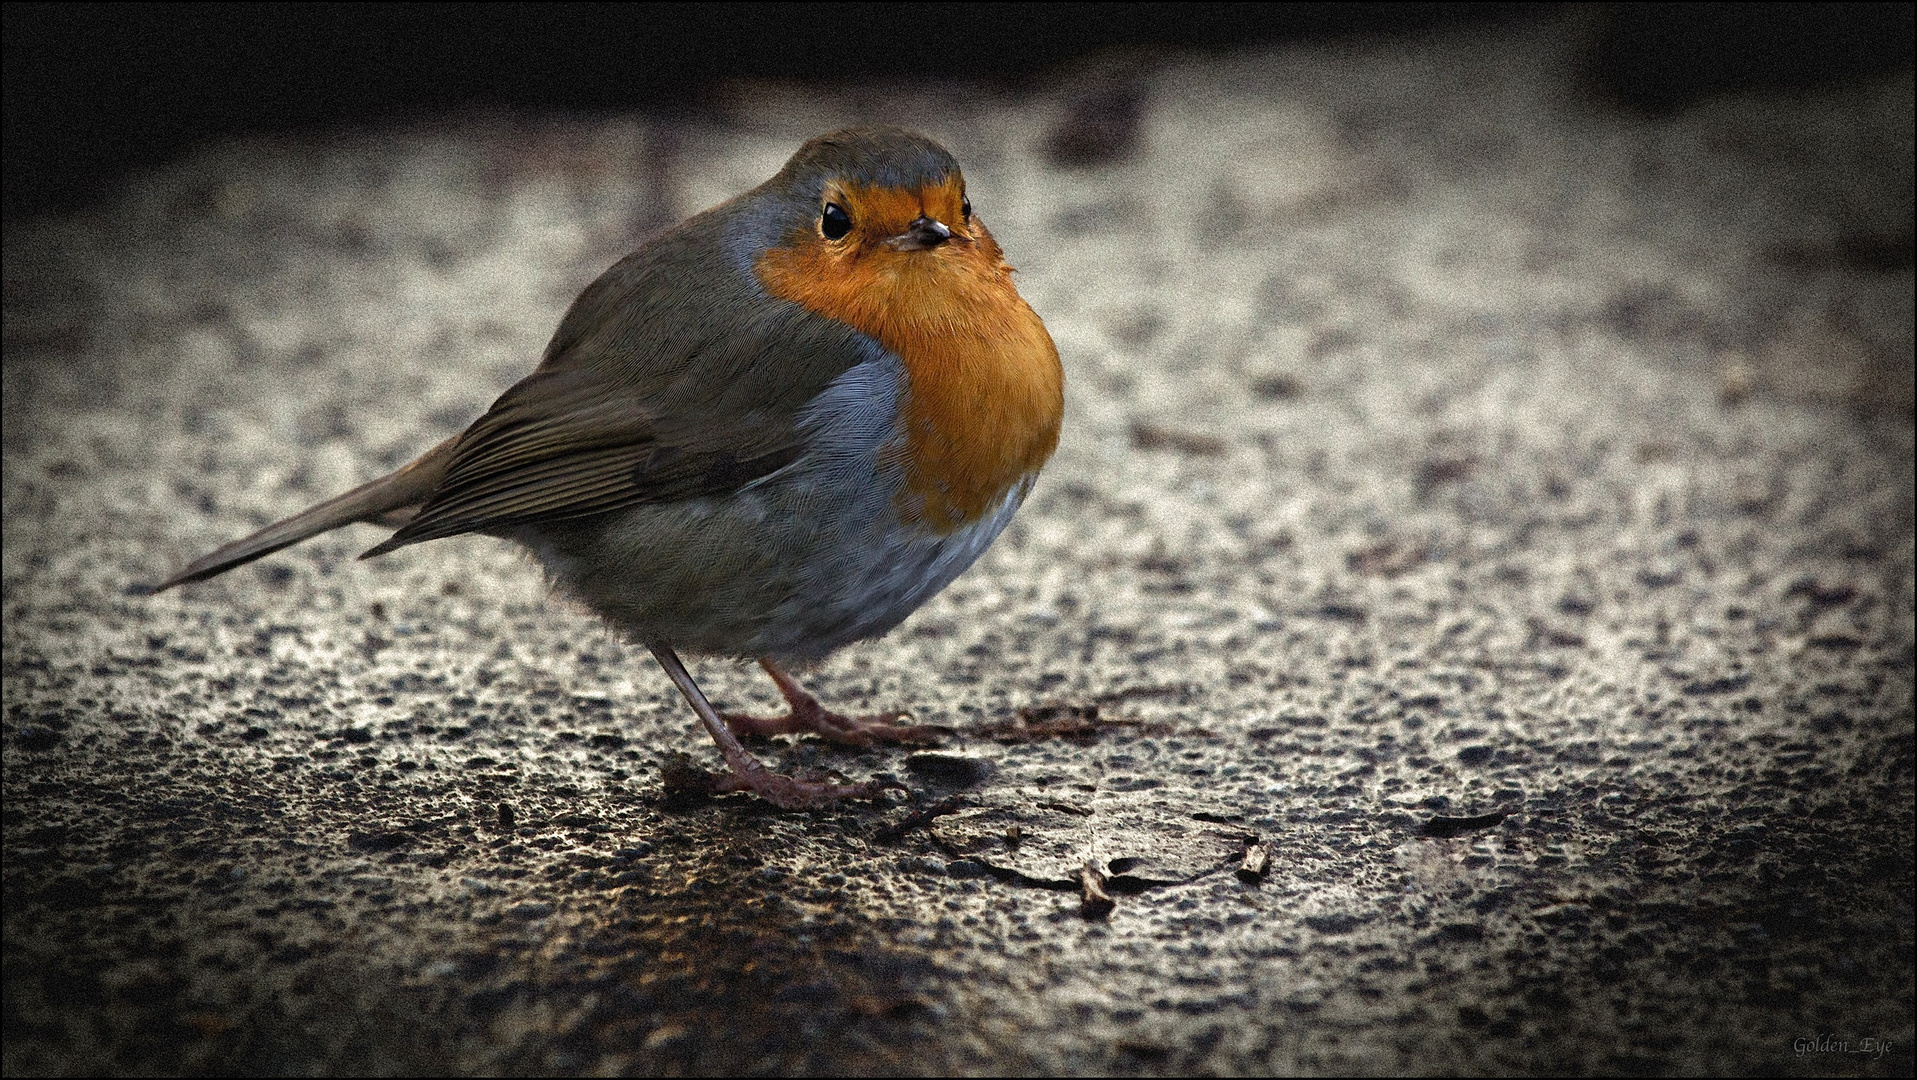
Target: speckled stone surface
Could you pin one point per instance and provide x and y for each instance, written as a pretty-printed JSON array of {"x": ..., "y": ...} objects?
[{"x": 1492, "y": 511}]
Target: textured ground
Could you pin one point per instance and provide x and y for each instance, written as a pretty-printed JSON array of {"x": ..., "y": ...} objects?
[{"x": 1494, "y": 510}]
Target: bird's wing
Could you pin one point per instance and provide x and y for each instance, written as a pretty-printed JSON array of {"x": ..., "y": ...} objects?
[{"x": 670, "y": 378}]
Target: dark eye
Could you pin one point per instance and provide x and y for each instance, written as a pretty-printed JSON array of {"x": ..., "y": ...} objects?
[
  {"x": 965, "y": 207},
  {"x": 834, "y": 223}
]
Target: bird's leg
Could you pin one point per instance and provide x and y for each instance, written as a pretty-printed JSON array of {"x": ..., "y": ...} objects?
[
  {"x": 748, "y": 773},
  {"x": 807, "y": 716}
]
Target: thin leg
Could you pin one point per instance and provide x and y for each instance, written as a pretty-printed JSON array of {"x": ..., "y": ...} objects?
[
  {"x": 807, "y": 716},
  {"x": 748, "y": 774}
]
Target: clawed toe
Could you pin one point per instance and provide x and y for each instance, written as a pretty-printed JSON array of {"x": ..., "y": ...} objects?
[
  {"x": 835, "y": 727},
  {"x": 807, "y": 717},
  {"x": 793, "y": 793},
  {"x": 685, "y": 782},
  {"x": 687, "y": 785}
]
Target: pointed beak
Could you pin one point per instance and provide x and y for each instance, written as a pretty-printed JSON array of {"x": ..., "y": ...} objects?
[{"x": 923, "y": 234}]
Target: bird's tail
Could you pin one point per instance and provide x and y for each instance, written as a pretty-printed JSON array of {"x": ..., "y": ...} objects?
[{"x": 390, "y": 500}]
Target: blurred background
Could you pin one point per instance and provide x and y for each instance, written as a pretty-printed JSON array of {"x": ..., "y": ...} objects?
[
  {"x": 1486, "y": 489},
  {"x": 96, "y": 90}
]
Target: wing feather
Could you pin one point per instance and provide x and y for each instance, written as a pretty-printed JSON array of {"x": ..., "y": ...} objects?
[{"x": 655, "y": 388}]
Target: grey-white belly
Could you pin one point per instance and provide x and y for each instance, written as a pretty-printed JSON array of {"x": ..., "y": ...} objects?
[{"x": 791, "y": 567}]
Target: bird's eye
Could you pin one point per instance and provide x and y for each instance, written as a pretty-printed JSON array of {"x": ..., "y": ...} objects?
[
  {"x": 965, "y": 207},
  {"x": 835, "y": 223}
]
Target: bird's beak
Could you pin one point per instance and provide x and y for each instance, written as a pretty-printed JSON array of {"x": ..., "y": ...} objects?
[{"x": 923, "y": 234}]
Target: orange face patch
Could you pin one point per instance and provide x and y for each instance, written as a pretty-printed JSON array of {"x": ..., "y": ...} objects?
[{"x": 986, "y": 391}]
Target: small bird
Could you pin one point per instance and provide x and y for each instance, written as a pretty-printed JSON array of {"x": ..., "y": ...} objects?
[{"x": 772, "y": 431}]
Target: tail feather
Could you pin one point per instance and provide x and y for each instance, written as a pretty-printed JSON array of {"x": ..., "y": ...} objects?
[{"x": 390, "y": 500}]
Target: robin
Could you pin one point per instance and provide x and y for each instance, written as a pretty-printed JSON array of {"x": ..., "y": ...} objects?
[{"x": 773, "y": 430}]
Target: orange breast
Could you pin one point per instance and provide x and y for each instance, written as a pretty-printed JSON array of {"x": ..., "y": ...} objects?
[{"x": 986, "y": 391}]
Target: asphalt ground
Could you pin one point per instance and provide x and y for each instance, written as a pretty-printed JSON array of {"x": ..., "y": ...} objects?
[{"x": 1467, "y": 626}]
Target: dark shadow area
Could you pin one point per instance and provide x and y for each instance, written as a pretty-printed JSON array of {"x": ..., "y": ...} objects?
[
  {"x": 95, "y": 91},
  {"x": 1659, "y": 57},
  {"x": 694, "y": 951}
]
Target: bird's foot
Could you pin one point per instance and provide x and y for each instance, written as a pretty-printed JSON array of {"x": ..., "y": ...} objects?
[
  {"x": 807, "y": 717},
  {"x": 684, "y": 782},
  {"x": 793, "y": 793},
  {"x": 687, "y": 784},
  {"x": 833, "y": 727}
]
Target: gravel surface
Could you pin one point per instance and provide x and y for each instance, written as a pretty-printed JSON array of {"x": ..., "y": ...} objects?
[{"x": 1467, "y": 627}]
